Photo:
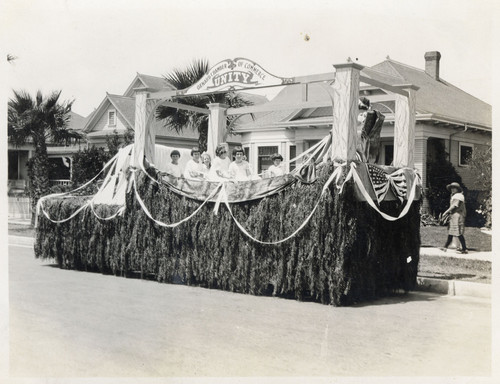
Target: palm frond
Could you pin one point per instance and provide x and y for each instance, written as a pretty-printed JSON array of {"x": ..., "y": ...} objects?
[
  {"x": 184, "y": 78},
  {"x": 178, "y": 119},
  {"x": 38, "y": 117}
]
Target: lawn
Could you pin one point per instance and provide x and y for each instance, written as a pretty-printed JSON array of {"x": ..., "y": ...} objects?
[
  {"x": 435, "y": 236},
  {"x": 454, "y": 266}
]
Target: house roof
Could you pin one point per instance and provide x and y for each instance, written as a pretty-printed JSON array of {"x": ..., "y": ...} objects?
[
  {"x": 288, "y": 95},
  {"x": 77, "y": 122},
  {"x": 125, "y": 106},
  {"x": 147, "y": 81},
  {"x": 436, "y": 98}
]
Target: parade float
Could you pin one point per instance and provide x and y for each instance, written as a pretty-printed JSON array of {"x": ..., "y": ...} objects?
[{"x": 339, "y": 229}]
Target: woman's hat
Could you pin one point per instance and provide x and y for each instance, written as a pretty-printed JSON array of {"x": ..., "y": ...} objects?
[{"x": 454, "y": 185}]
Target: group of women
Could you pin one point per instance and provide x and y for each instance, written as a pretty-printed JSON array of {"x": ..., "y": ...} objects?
[{"x": 201, "y": 166}]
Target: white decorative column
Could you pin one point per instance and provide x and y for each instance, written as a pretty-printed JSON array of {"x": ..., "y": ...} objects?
[
  {"x": 345, "y": 111},
  {"x": 404, "y": 129},
  {"x": 217, "y": 126},
  {"x": 144, "y": 139}
]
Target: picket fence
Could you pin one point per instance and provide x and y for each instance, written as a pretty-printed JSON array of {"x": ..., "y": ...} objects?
[{"x": 19, "y": 207}]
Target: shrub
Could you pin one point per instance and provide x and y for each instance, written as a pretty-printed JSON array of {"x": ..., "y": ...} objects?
[
  {"x": 480, "y": 163},
  {"x": 440, "y": 173},
  {"x": 87, "y": 164}
]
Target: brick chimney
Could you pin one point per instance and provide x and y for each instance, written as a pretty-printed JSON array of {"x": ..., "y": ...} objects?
[{"x": 432, "y": 64}]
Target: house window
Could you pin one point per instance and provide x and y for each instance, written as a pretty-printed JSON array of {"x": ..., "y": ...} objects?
[
  {"x": 247, "y": 153},
  {"x": 389, "y": 154},
  {"x": 264, "y": 157},
  {"x": 292, "y": 152},
  {"x": 111, "y": 118},
  {"x": 464, "y": 153}
]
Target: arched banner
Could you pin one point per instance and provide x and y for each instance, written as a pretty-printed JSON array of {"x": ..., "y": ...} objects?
[{"x": 234, "y": 74}]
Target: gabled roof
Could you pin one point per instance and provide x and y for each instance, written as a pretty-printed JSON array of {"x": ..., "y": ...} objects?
[
  {"x": 147, "y": 81},
  {"x": 125, "y": 106},
  {"x": 439, "y": 97}
]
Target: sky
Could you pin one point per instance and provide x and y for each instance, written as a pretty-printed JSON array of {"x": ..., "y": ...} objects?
[{"x": 87, "y": 48}]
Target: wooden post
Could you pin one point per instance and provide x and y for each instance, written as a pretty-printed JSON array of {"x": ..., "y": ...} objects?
[
  {"x": 144, "y": 139},
  {"x": 345, "y": 111},
  {"x": 404, "y": 129},
  {"x": 216, "y": 126}
]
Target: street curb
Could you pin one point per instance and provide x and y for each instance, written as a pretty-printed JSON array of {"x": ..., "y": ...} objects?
[{"x": 454, "y": 287}]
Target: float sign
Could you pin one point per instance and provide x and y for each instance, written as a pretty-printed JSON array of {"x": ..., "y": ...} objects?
[{"x": 234, "y": 74}]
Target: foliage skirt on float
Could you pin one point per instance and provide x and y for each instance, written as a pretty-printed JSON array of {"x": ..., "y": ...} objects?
[{"x": 345, "y": 254}]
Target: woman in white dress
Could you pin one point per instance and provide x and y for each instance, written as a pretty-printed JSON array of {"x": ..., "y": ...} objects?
[
  {"x": 206, "y": 160},
  {"x": 239, "y": 168},
  {"x": 194, "y": 169},
  {"x": 276, "y": 169},
  {"x": 219, "y": 171}
]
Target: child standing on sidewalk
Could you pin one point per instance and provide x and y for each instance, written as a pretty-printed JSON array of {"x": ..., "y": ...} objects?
[{"x": 457, "y": 213}]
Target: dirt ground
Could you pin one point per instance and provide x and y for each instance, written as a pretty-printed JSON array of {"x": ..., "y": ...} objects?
[
  {"x": 454, "y": 268},
  {"x": 77, "y": 324}
]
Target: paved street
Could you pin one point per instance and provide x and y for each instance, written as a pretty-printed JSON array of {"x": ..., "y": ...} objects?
[{"x": 76, "y": 324}]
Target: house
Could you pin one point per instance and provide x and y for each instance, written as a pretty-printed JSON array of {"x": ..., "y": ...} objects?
[
  {"x": 446, "y": 117},
  {"x": 60, "y": 156},
  {"x": 116, "y": 113}
]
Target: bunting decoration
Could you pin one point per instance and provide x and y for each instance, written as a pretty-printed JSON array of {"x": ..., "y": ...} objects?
[
  {"x": 398, "y": 184},
  {"x": 381, "y": 181}
]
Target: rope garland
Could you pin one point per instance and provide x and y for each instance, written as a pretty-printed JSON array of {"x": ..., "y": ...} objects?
[
  {"x": 334, "y": 175},
  {"x": 160, "y": 223}
]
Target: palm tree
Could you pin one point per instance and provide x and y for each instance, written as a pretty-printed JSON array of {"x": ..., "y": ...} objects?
[
  {"x": 39, "y": 120},
  {"x": 179, "y": 119}
]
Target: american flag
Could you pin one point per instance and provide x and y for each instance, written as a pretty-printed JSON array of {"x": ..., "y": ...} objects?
[
  {"x": 398, "y": 184},
  {"x": 381, "y": 181}
]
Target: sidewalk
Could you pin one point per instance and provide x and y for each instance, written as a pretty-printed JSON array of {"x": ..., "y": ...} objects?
[
  {"x": 19, "y": 221},
  {"x": 455, "y": 287},
  {"x": 472, "y": 255}
]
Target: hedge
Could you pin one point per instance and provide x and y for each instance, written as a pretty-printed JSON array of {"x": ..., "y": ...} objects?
[{"x": 347, "y": 253}]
